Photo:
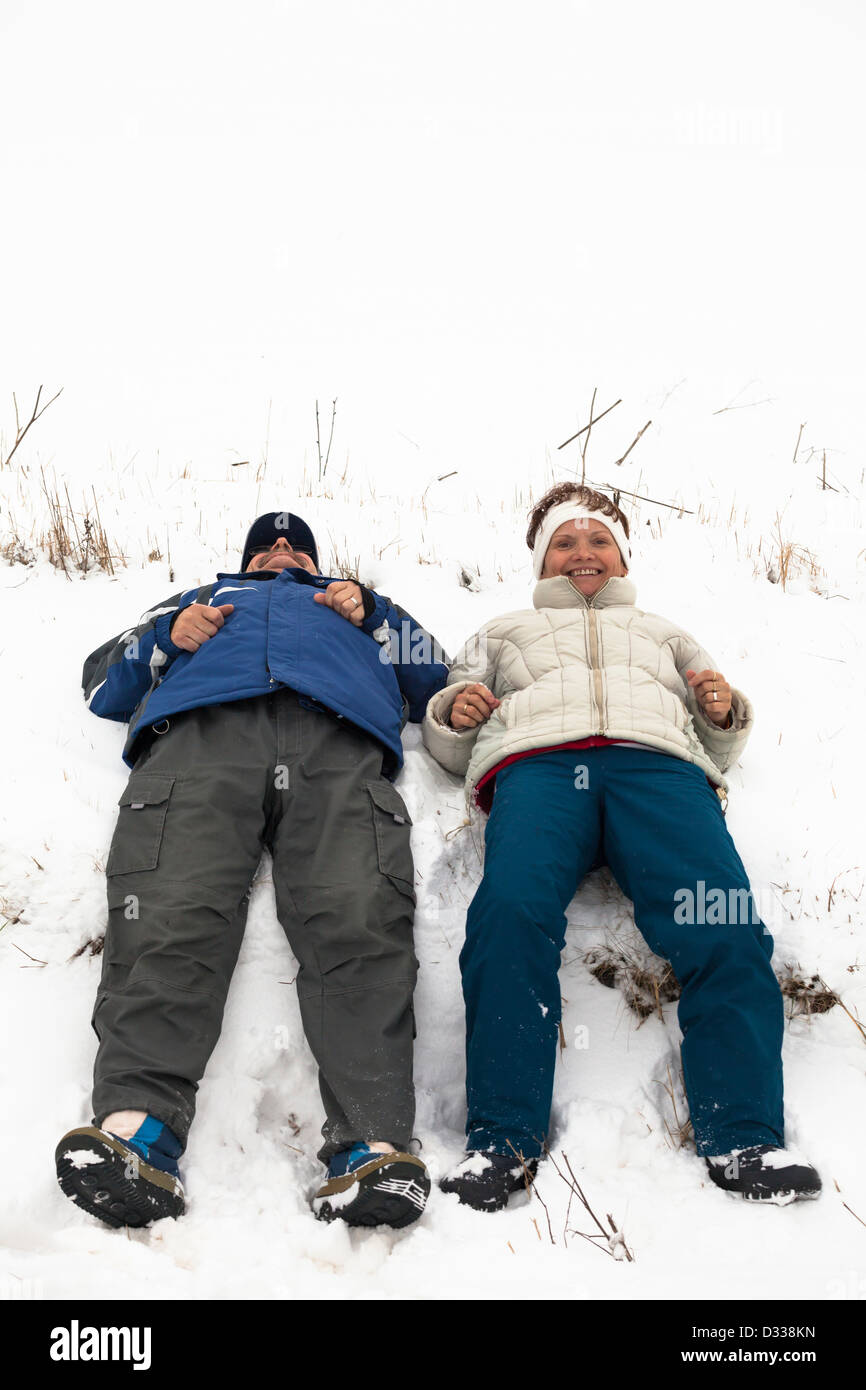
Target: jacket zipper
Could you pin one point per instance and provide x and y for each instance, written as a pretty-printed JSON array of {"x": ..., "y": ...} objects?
[
  {"x": 596, "y": 668},
  {"x": 595, "y": 664}
]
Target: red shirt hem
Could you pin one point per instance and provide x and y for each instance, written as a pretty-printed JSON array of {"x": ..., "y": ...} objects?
[{"x": 483, "y": 793}]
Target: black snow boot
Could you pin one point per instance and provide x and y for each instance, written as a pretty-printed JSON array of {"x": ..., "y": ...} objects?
[
  {"x": 107, "y": 1178},
  {"x": 368, "y": 1188},
  {"x": 485, "y": 1181},
  {"x": 765, "y": 1173}
]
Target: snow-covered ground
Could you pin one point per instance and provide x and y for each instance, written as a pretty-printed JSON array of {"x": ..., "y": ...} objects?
[
  {"x": 250, "y": 1166},
  {"x": 457, "y": 220}
]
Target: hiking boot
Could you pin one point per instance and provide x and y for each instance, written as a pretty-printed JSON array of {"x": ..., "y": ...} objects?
[
  {"x": 365, "y": 1188},
  {"x": 485, "y": 1181},
  {"x": 124, "y": 1182},
  {"x": 765, "y": 1173}
]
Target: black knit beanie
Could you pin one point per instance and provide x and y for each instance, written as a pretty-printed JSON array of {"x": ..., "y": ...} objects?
[{"x": 267, "y": 529}]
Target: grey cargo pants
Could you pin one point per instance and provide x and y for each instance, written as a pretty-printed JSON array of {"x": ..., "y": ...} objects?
[{"x": 202, "y": 800}]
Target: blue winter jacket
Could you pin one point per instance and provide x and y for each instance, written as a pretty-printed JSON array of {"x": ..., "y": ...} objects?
[{"x": 375, "y": 674}]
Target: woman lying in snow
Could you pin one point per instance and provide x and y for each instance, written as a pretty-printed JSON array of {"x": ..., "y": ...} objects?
[{"x": 605, "y": 732}]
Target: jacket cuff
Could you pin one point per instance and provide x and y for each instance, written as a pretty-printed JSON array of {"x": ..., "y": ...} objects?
[
  {"x": 450, "y": 747},
  {"x": 369, "y": 599},
  {"x": 374, "y": 617},
  {"x": 725, "y": 745},
  {"x": 162, "y": 634}
]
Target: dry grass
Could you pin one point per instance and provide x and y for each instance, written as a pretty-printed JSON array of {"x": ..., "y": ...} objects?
[
  {"x": 806, "y": 994},
  {"x": 678, "y": 1126},
  {"x": 789, "y": 560},
  {"x": 73, "y": 540},
  {"x": 646, "y": 981},
  {"x": 343, "y": 563},
  {"x": 809, "y": 994},
  {"x": 777, "y": 558},
  {"x": 21, "y": 427},
  {"x": 93, "y": 947},
  {"x": 11, "y": 912},
  {"x": 607, "y": 1238},
  {"x": 17, "y": 552}
]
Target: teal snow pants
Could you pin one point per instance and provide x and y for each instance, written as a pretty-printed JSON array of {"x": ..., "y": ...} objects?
[
  {"x": 203, "y": 800},
  {"x": 654, "y": 820}
]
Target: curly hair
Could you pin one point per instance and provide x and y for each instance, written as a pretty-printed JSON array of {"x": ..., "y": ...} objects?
[{"x": 576, "y": 492}]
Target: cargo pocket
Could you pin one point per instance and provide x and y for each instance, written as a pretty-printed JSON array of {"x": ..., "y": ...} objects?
[
  {"x": 138, "y": 833},
  {"x": 391, "y": 822},
  {"x": 99, "y": 1001}
]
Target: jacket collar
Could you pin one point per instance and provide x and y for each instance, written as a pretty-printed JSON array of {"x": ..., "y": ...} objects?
[
  {"x": 298, "y": 575},
  {"x": 561, "y": 593}
]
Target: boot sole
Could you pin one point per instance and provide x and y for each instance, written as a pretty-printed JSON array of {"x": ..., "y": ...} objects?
[
  {"x": 92, "y": 1169},
  {"x": 779, "y": 1199},
  {"x": 782, "y": 1198},
  {"x": 391, "y": 1190}
]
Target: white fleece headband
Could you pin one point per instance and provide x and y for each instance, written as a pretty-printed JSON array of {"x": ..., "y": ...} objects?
[{"x": 573, "y": 511}]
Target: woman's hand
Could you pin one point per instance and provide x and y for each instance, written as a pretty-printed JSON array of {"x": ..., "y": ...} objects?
[
  {"x": 713, "y": 694},
  {"x": 473, "y": 706}
]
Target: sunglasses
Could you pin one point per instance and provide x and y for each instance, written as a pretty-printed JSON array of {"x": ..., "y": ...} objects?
[{"x": 298, "y": 549}]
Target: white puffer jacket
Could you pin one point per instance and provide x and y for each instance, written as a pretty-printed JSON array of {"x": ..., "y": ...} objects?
[{"x": 572, "y": 667}]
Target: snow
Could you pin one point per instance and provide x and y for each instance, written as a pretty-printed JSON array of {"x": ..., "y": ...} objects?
[
  {"x": 475, "y": 1163},
  {"x": 335, "y": 1200},
  {"x": 250, "y": 1171},
  {"x": 782, "y": 1158},
  {"x": 774, "y": 1158},
  {"x": 545, "y": 235}
]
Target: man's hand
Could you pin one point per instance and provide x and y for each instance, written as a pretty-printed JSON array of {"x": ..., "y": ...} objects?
[
  {"x": 198, "y": 623},
  {"x": 345, "y": 598},
  {"x": 713, "y": 695},
  {"x": 473, "y": 706}
]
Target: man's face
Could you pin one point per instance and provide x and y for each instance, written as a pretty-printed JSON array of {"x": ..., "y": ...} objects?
[
  {"x": 282, "y": 556},
  {"x": 586, "y": 552}
]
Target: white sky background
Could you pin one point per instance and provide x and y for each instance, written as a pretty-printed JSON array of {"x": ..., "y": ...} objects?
[{"x": 455, "y": 217}]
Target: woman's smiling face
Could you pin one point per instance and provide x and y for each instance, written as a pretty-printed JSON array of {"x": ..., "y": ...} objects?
[{"x": 586, "y": 552}]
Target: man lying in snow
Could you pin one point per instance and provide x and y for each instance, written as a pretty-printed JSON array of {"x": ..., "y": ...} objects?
[{"x": 264, "y": 709}]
